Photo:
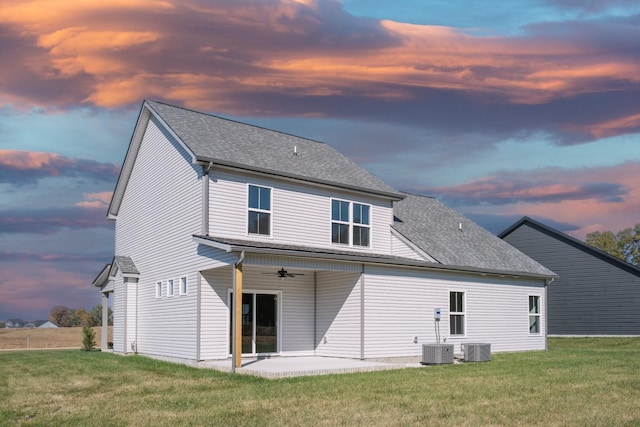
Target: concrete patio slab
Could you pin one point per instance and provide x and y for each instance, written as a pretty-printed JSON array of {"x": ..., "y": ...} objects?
[{"x": 281, "y": 367}]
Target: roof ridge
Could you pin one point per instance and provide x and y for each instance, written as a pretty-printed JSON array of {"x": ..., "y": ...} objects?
[{"x": 235, "y": 121}]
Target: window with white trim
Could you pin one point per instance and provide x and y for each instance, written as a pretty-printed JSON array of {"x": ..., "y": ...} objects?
[
  {"x": 350, "y": 223},
  {"x": 158, "y": 289},
  {"x": 259, "y": 205},
  {"x": 170, "y": 288},
  {"x": 534, "y": 314},
  {"x": 456, "y": 313},
  {"x": 183, "y": 285}
]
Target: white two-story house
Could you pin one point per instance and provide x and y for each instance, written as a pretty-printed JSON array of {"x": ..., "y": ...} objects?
[{"x": 235, "y": 241}]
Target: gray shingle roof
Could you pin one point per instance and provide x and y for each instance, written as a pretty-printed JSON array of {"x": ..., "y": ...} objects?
[
  {"x": 235, "y": 144},
  {"x": 126, "y": 265},
  {"x": 453, "y": 239},
  {"x": 314, "y": 252}
]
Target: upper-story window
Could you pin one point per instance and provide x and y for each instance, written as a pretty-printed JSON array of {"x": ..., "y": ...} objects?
[
  {"x": 259, "y": 204},
  {"x": 350, "y": 223}
]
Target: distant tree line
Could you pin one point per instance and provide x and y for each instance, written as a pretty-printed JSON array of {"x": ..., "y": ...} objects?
[
  {"x": 624, "y": 244},
  {"x": 65, "y": 317}
]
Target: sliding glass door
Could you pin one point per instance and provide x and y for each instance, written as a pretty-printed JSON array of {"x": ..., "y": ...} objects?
[{"x": 259, "y": 322}]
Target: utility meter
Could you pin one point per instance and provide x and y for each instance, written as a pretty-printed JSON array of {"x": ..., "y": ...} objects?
[{"x": 436, "y": 314}]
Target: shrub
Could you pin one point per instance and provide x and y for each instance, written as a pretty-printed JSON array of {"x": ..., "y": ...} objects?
[{"x": 88, "y": 338}]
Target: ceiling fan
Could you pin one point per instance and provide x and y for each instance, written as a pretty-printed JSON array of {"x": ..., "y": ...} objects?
[{"x": 283, "y": 274}]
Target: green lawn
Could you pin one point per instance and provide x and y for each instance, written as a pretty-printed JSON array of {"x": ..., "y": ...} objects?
[{"x": 578, "y": 382}]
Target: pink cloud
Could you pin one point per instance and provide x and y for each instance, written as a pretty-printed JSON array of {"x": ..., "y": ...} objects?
[
  {"x": 41, "y": 287},
  {"x": 96, "y": 200},
  {"x": 605, "y": 198},
  {"x": 32, "y": 160},
  {"x": 20, "y": 167}
]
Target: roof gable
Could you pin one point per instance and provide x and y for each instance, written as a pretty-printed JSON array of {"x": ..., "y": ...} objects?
[
  {"x": 211, "y": 139},
  {"x": 452, "y": 239},
  {"x": 572, "y": 241}
]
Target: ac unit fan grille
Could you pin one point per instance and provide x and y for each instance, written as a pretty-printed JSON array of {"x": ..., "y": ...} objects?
[{"x": 436, "y": 354}]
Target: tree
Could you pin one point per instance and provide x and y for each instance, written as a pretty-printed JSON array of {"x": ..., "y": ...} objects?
[
  {"x": 80, "y": 317},
  {"x": 60, "y": 316},
  {"x": 625, "y": 244},
  {"x": 88, "y": 338},
  {"x": 96, "y": 315}
]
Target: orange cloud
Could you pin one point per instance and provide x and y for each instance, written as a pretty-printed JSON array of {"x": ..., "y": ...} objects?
[
  {"x": 630, "y": 123},
  {"x": 425, "y": 56},
  {"x": 223, "y": 56}
]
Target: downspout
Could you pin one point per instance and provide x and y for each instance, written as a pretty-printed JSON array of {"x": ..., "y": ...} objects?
[
  {"x": 547, "y": 282},
  {"x": 205, "y": 198},
  {"x": 235, "y": 310},
  {"x": 362, "y": 314}
]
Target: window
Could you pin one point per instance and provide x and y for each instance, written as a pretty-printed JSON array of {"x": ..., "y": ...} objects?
[
  {"x": 534, "y": 314},
  {"x": 158, "y": 289},
  {"x": 183, "y": 286},
  {"x": 340, "y": 222},
  {"x": 456, "y": 313},
  {"x": 350, "y": 223},
  {"x": 259, "y": 210},
  {"x": 170, "y": 287},
  {"x": 360, "y": 224}
]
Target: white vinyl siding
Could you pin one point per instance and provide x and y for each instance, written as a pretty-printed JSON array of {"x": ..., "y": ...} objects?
[
  {"x": 132, "y": 313},
  {"x": 297, "y": 309},
  {"x": 338, "y": 314},
  {"x": 170, "y": 198},
  {"x": 301, "y": 215},
  {"x": 119, "y": 316},
  {"x": 402, "y": 249},
  {"x": 399, "y": 306}
]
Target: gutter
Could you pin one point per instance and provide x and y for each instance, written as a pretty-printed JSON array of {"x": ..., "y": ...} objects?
[
  {"x": 363, "y": 258},
  {"x": 396, "y": 196}
]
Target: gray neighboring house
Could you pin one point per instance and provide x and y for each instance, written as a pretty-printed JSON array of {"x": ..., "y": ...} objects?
[
  {"x": 237, "y": 241},
  {"x": 44, "y": 324},
  {"x": 595, "y": 294}
]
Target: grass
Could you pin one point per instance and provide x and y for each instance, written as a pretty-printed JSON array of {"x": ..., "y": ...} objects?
[
  {"x": 30, "y": 338},
  {"x": 578, "y": 382}
]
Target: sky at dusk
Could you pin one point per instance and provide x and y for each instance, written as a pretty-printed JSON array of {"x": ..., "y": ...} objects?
[{"x": 498, "y": 109}]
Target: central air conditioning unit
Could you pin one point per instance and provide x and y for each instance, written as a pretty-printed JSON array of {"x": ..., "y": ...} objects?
[
  {"x": 437, "y": 354},
  {"x": 476, "y": 352}
]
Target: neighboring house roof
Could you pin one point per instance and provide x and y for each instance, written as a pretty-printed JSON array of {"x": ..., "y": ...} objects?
[
  {"x": 454, "y": 240},
  {"x": 238, "y": 145},
  {"x": 44, "y": 324},
  {"x": 576, "y": 243}
]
